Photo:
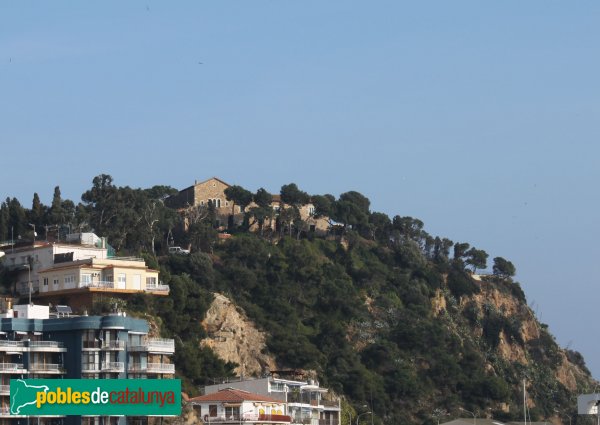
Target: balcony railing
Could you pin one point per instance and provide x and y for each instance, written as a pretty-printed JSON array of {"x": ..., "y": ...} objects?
[
  {"x": 11, "y": 367},
  {"x": 303, "y": 398},
  {"x": 90, "y": 368},
  {"x": 151, "y": 368},
  {"x": 328, "y": 403},
  {"x": 160, "y": 368},
  {"x": 4, "y": 389},
  {"x": 97, "y": 284},
  {"x": 155, "y": 345},
  {"x": 248, "y": 417},
  {"x": 45, "y": 344},
  {"x": 113, "y": 345},
  {"x": 113, "y": 367},
  {"x": 157, "y": 288},
  {"x": 10, "y": 344},
  {"x": 95, "y": 345},
  {"x": 46, "y": 367}
]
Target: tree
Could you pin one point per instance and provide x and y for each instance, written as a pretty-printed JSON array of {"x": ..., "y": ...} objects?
[
  {"x": 460, "y": 250},
  {"x": 36, "y": 215},
  {"x": 56, "y": 211},
  {"x": 323, "y": 205},
  {"x": 503, "y": 268},
  {"x": 291, "y": 195},
  {"x": 262, "y": 198},
  {"x": 238, "y": 196},
  {"x": 476, "y": 258}
]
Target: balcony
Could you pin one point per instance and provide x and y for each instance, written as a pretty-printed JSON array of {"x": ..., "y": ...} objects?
[
  {"x": 248, "y": 417},
  {"x": 11, "y": 346},
  {"x": 115, "y": 367},
  {"x": 50, "y": 346},
  {"x": 113, "y": 345},
  {"x": 90, "y": 368},
  {"x": 155, "y": 345},
  {"x": 12, "y": 368},
  {"x": 4, "y": 389},
  {"x": 329, "y": 405},
  {"x": 102, "y": 284},
  {"x": 151, "y": 368},
  {"x": 160, "y": 368},
  {"x": 46, "y": 368},
  {"x": 157, "y": 288}
]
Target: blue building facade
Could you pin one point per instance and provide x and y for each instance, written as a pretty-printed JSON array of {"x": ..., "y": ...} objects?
[{"x": 35, "y": 345}]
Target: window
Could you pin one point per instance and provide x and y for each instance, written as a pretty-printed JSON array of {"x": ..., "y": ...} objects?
[
  {"x": 86, "y": 279},
  {"x": 109, "y": 278},
  {"x": 311, "y": 210},
  {"x": 121, "y": 281},
  {"x": 218, "y": 203},
  {"x": 150, "y": 281},
  {"x": 70, "y": 279},
  {"x": 45, "y": 281},
  {"x": 212, "y": 410},
  {"x": 232, "y": 412},
  {"x": 55, "y": 281}
]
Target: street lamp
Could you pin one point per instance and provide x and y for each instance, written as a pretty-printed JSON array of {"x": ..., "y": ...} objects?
[
  {"x": 468, "y": 411},
  {"x": 358, "y": 417}
]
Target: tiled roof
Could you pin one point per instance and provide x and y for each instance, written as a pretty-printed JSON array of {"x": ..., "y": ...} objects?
[{"x": 233, "y": 395}]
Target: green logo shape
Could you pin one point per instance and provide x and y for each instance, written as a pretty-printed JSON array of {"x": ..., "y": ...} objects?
[{"x": 98, "y": 397}]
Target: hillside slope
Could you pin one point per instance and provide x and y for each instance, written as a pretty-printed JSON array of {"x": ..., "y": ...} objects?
[{"x": 387, "y": 326}]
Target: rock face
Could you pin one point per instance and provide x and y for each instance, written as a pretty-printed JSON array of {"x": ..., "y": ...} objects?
[{"x": 234, "y": 338}]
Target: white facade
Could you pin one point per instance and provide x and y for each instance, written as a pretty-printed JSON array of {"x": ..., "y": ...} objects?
[{"x": 303, "y": 399}]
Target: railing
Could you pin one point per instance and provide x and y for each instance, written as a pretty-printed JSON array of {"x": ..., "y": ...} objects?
[
  {"x": 113, "y": 345},
  {"x": 45, "y": 367},
  {"x": 10, "y": 344},
  {"x": 302, "y": 398},
  {"x": 11, "y": 367},
  {"x": 97, "y": 284},
  {"x": 4, "y": 411},
  {"x": 328, "y": 403},
  {"x": 113, "y": 367},
  {"x": 157, "y": 288},
  {"x": 249, "y": 418},
  {"x": 4, "y": 389},
  {"x": 90, "y": 368},
  {"x": 160, "y": 368},
  {"x": 152, "y": 368},
  {"x": 156, "y": 345},
  {"x": 46, "y": 344}
]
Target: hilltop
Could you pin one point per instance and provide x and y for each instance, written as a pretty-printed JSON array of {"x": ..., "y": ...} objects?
[{"x": 384, "y": 313}]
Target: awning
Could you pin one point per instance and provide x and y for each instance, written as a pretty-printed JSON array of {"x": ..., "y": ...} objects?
[
  {"x": 37, "y": 333},
  {"x": 20, "y": 333}
]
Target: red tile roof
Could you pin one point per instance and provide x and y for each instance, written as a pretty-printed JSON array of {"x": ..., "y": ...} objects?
[{"x": 233, "y": 395}]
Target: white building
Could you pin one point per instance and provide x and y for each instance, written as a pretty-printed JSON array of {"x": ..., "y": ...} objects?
[
  {"x": 306, "y": 402},
  {"x": 231, "y": 406}
]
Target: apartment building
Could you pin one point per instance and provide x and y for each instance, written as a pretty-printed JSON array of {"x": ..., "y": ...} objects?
[
  {"x": 77, "y": 272},
  {"x": 37, "y": 344},
  {"x": 306, "y": 402}
]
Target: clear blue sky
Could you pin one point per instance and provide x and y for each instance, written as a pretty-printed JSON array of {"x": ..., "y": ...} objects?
[{"x": 480, "y": 118}]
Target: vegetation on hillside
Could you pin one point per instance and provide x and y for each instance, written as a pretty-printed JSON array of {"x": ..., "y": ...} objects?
[{"x": 356, "y": 305}]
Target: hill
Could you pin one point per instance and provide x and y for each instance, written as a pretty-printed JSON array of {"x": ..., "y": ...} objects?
[{"x": 378, "y": 308}]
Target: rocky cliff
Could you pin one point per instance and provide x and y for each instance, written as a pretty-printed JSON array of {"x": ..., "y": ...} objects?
[{"x": 235, "y": 338}]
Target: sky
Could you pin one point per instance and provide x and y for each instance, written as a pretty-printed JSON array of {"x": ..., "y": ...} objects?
[{"x": 482, "y": 119}]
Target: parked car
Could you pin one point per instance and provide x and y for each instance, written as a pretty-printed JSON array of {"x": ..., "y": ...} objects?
[{"x": 178, "y": 250}]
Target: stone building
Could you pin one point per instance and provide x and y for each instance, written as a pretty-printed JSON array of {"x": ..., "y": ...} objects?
[{"x": 228, "y": 213}]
